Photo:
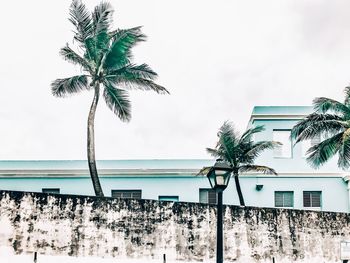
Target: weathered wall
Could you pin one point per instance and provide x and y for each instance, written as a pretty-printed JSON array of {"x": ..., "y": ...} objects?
[{"x": 144, "y": 229}]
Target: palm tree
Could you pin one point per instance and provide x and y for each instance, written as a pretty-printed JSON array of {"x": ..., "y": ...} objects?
[
  {"x": 240, "y": 151},
  {"x": 330, "y": 120},
  {"x": 105, "y": 61}
]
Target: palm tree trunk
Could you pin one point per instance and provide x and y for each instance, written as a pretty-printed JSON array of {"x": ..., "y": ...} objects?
[
  {"x": 91, "y": 144},
  {"x": 238, "y": 188}
]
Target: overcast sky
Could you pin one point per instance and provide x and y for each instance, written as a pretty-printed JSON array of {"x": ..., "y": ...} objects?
[{"x": 217, "y": 58}]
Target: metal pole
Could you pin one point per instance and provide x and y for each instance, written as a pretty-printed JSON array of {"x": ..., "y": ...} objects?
[{"x": 219, "y": 235}]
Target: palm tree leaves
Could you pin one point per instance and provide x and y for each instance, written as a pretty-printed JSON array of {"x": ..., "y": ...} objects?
[
  {"x": 102, "y": 17},
  {"x": 323, "y": 105},
  {"x": 322, "y": 152},
  {"x": 332, "y": 119},
  {"x": 317, "y": 124},
  {"x": 239, "y": 150},
  {"x": 247, "y": 135},
  {"x": 227, "y": 144},
  {"x": 347, "y": 96},
  {"x": 106, "y": 57},
  {"x": 63, "y": 87},
  {"x": 118, "y": 101},
  {"x": 119, "y": 53},
  {"x": 81, "y": 19},
  {"x": 255, "y": 149},
  {"x": 256, "y": 169},
  {"x": 136, "y": 77},
  {"x": 69, "y": 54}
]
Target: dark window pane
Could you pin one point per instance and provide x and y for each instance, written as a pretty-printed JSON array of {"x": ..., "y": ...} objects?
[
  {"x": 128, "y": 194},
  {"x": 284, "y": 199},
  {"x": 312, "y": 198},
  {"x": 212, "y": 197},
  {"x": 207, "y": 196}
]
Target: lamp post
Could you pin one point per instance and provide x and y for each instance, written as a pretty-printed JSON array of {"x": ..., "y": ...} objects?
[{"x": 219, "y": 177}]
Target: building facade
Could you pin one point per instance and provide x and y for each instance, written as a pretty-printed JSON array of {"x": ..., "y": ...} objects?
[{"x": 297, "y": 185}]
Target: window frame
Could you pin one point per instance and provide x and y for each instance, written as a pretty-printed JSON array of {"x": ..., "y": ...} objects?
[
  {"x": 208, "y": 191},
  {"x": 124, "y": 191},
  {"x": 284, "y": 192},
  {"x": 310, "y": 196}
]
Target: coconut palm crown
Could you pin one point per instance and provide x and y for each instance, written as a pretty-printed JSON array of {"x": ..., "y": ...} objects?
[
  {"x": 240, "y": 152},
  {"x": 105, "y": 58},
  {"x": 330, "y": 120}
]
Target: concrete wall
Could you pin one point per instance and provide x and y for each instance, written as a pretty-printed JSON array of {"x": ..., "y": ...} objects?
[{"x": 145, "y": 229}]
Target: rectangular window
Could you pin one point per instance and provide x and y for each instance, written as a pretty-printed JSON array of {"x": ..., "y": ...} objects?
[
  {"x": 284, "y": 199},
  {"x": 51, "y": 190},
  {"x": 173, "y": 198},
  {"x": 312, "y": 199},
  {"x": 306, "y": 145},
  {"x": 284, "y": 150},
  {"x": 127, "y": 194},
  {"x": 207, "y": 196}
]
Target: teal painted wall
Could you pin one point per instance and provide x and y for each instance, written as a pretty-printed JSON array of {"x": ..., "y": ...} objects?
[{"x": 334, "y": 191}]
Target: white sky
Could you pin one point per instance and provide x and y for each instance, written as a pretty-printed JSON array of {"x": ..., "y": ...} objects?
[{"x": 217, "y": 58}]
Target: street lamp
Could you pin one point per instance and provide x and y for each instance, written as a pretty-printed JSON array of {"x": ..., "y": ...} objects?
[{"x": 219, "y": 177}]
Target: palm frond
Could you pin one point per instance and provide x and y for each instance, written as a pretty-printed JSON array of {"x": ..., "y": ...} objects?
[
  {"x": 118, "y": 101},
  {"x": 315, "y": 125},
  {"x": 130, "y": 82},
  {"x": 133, "y": 71},
  {"x": 63, "y": 87},
  {"x": 102, "y": 17},
  {"x": 322, "y": 152},
  {"x": 247, "y": 135},
  {"x": 323, "y": 105},
  {"x": 257, "y": 148},
  {"x": 344, "y": 151},
  {"x": 256, "y": 169},
  {"x": 70, "y": 55},
  {"x": 96, "y": 48},
  {"x": 204, "y": 171},
  {"x": 213, "y": 152},
  {"x": 80, "y": 17},
  {"x": 119, "y": 53},
  {"x": 228, "y": 142},
  {"x": 347, "y": 96}
]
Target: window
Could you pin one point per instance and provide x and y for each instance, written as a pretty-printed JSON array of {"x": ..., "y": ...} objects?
[
  {"x": 173, "y": 198},
  {"x": 51, "y": 190},
  {"x": 312, "y": 199},
  {"x": 284, "y": 150},
  {"x": 207, "y": 196},
  {"x": 306, "y": 145},
  {"x": 127, "y": 194},
  {"x": 284, "y": 199}
]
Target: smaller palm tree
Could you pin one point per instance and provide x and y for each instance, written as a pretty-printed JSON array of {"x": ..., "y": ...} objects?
[
  {"x": 330, "y": 120},
  {"x": 240, "y": 152}
]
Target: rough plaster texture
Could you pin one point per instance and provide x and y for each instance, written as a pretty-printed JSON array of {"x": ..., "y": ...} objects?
[{"x": 143, "y": 229}]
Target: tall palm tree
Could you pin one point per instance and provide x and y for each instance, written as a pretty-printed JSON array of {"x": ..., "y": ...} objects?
[
  {"x": 240, "y": 152},
  {"x": 105, "y": 58},
  {"x": 330, "y": 120}
]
